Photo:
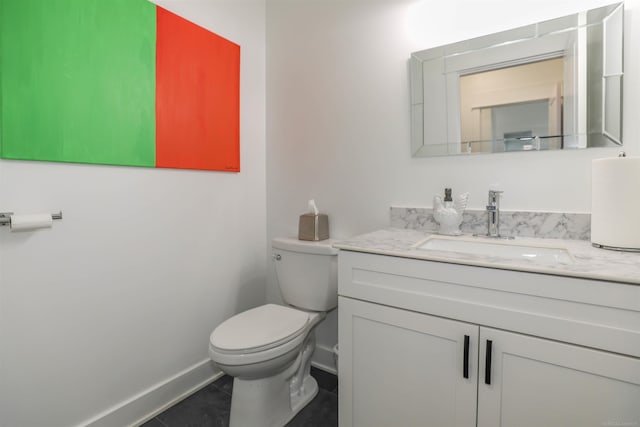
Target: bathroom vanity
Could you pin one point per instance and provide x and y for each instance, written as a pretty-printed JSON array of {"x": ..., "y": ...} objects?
[{"x": 432, "y": 337}]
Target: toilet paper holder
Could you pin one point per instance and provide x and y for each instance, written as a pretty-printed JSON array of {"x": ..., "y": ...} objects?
[{"x": 5, "y": 217}]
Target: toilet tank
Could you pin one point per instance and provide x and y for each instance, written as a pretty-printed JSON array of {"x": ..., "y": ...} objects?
[{"x": 307, "y": 273}]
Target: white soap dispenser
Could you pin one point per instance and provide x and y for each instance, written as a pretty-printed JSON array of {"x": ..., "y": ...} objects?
[{"x": 448, "y": 213}]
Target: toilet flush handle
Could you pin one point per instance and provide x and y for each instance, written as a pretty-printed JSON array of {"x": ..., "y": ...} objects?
[{"x": 277, "y": 257}]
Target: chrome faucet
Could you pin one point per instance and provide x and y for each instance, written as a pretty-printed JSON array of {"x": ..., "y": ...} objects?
[{"x": 493, "y": 214}]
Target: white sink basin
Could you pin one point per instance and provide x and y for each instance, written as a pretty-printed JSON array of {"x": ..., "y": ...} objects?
[{"x": 497, "y": 248}]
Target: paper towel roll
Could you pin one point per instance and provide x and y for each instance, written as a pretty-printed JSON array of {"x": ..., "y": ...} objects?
[
  {"x": 615, "y": 202},
  {"x": 30, "y": 222}
]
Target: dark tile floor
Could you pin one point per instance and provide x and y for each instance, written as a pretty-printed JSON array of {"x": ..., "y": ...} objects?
[{"x": 210, "y": 406}]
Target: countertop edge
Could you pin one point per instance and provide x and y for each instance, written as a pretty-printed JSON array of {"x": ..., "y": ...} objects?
[{"x": 400, "y": 242}]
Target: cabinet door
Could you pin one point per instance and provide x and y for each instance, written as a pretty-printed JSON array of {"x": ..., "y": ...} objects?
[
  {"x": 536, "y": 382},
  {"x": 401, "y": 368}
]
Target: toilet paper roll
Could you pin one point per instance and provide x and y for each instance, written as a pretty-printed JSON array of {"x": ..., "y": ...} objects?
[
  {"x": 31, "y": 221},
  {"x": 615, "y": 202}
]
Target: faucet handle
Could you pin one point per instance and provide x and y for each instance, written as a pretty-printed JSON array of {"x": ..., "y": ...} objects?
[{"x": 494, "y": 196}]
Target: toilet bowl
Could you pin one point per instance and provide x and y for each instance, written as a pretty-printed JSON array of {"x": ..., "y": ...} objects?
[
  {"x": 268, "y": 349},
  {"x": 262, "y": 341}
]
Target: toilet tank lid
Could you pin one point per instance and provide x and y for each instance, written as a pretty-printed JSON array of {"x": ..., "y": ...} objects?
[
  {"x": 259, "y": 327},
  {"x": 321, "y": 247}
]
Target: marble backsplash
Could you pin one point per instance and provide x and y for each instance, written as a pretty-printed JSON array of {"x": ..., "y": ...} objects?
[{"x": 549, "y": 225}]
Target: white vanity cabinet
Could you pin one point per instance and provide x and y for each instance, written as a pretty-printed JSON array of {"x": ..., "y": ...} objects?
[
  {"x": 539, "y": 382},
  {"x": 413, "y": 338},
  {"x": 400, "y": 368}
]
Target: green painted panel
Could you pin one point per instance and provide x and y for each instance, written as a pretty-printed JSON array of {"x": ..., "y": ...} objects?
[{"x": 77, "y": 81}]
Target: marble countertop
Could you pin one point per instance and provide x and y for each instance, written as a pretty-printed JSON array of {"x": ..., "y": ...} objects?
[{"x": 590, "y": 262}]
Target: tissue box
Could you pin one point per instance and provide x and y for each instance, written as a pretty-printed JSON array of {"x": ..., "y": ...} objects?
[{"x": 313, "y": 227}]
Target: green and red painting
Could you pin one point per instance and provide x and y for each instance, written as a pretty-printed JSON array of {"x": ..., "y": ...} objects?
[{"x": 118, "y": 82}]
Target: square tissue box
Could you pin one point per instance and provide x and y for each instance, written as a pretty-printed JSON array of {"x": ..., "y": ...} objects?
[{"x": 313, "y": 227}]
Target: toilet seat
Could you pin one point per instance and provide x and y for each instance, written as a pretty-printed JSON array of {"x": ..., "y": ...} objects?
[{"x": 259, "y": 329}]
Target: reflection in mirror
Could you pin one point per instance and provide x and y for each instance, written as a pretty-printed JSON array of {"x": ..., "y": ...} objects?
[
  {"x": 512, "y": 109},
  {"x": 552, "y": 85}
]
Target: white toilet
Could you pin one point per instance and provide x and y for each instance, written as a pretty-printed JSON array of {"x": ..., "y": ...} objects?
[{"x": 268, "y": 349}]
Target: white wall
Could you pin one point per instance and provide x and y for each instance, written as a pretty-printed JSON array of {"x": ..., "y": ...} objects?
[
  {"x": 122, "y": 294},
  {"x": 338, "y": 114}
]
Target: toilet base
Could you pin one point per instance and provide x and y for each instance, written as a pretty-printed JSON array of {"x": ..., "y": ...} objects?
[
  {"x": 269, "y": 401},
  {"x": 300, "y": 400}
]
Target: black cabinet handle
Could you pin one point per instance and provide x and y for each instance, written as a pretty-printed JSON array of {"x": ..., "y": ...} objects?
[
  {"x": 487, "y": 363},
  {"x": 465, "y": 363}
]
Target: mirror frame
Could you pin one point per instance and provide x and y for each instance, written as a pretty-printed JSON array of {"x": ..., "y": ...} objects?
[{"x": 437, "y": 71}]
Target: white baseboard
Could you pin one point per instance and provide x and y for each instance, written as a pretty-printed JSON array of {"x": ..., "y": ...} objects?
[
  {"x": 152, "y": 401},
  {"x": 323, "y": 359}
]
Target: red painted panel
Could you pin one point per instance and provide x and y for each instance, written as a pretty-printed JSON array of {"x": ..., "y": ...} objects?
[{"x": 197, "y": 97}]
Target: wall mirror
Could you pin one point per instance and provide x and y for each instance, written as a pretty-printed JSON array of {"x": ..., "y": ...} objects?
[{"x": 552, "y": 85}]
